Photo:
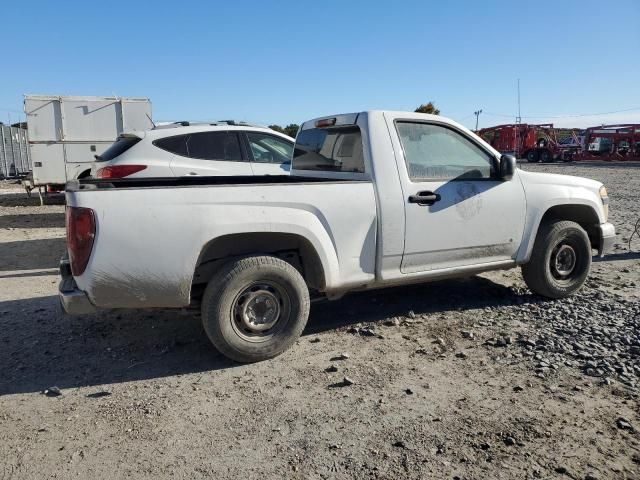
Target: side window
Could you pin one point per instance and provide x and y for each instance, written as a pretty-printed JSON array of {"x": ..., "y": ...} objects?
[
  {"x": 214, "y": 146},
  {"x": 269, "y": 149},
  {"x": 436, "y": 152},
  {"x": 176, "y": 144}
]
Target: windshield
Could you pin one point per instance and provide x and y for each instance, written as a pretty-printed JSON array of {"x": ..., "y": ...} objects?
[
  {"x": 121, "y": 145},
  {"x": 330, "y": 150}
]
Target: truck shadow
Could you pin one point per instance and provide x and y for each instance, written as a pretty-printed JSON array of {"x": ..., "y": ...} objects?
[
  {"x": 23, "y": 200},
  {"x": 434, "y": 297},
  {"x": 33, "y": 220},
  {"x": 42, "y": 253},
  {"x": 613, "y": 257},
  {"x": 40, "y": 347}
]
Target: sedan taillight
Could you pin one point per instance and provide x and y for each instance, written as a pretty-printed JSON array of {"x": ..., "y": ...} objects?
[
  {"x": 81, "y": 230},
  {"x": 119, "y": 171}
]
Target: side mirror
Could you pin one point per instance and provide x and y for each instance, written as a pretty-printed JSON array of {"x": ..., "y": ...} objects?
[{"x": 507, "y": 167}]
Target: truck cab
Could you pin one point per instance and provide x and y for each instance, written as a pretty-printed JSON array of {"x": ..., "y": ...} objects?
[{"x": 600, "y": 145}]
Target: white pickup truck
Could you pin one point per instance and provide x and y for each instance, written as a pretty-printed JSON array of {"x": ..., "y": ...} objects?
[{"x": 375, "y": 199}]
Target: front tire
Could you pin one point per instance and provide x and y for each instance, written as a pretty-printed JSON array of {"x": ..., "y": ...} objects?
[
  {"x": 255, "y": 308},
  {"x": 560, "y": 260}
]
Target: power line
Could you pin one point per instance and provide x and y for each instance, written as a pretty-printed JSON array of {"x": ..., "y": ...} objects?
[
  {"x": 576, "y": 115},
  {"x": 460, "y": 120}
]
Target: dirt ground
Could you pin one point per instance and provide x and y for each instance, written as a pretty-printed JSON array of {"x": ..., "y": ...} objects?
[{"x": 468, "y": 379}]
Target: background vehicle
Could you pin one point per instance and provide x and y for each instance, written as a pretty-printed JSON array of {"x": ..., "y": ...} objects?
[
  {"x": 65, "y": 133},
  {"x": 545, "y": 143},
  {"x": 600, "y": 145},
  {"x": 15, "y": 160},
  {"x": 423, "y": 198},
  {"x": 197, "y": 149},
  {"x": 534, "y": 142},
  {"x": 612, "y": 142}
]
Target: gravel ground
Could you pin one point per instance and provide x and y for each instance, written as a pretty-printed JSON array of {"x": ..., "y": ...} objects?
[{"x": 467, "y": 379}]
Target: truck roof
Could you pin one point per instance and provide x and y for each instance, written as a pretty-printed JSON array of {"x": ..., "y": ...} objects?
[
  {"x": 352, "y": 118},
  {"x": 346, "y": 119}
]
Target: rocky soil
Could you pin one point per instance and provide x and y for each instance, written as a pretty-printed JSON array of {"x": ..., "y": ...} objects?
[{"x": 469, "y": 379}]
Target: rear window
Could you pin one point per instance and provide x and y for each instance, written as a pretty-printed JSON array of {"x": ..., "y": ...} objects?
[
  {"x": 121, "y": 145},
  {"x": 329, "y": 150},
  {"x": 176, "y": 144},
  {"x": 214, "y": 146},
  {"x": 203, "y": 145}
]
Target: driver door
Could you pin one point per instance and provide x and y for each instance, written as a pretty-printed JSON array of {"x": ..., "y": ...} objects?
[{"x": 457, "y": 211}]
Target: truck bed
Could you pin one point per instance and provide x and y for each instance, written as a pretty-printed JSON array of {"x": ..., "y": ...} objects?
[
  {"x": 154, "y": 234},
  {"x": 196, "y": 181}
]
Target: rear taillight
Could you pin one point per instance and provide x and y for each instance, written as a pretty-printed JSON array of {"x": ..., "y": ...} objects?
[
  {"x": 81, "y": 230},
  {"x": 326, "y": 122},
  {"x": 119, "y": 171}
]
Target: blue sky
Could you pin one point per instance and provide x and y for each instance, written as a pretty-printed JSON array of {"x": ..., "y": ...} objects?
[{"x": 286, "y": 61}]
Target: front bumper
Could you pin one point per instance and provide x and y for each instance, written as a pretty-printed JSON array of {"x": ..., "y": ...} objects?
[
  {"x": 73, "y": 300},
  {"x": 607, "y": 233}
]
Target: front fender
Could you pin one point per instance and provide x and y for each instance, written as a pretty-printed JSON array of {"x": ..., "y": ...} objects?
[{"x": 537, "y": 209}]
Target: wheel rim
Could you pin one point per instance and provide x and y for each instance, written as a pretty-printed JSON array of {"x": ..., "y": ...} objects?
[
  {"x": 563, "y": 261},
  {"x": 260, "y": 311}
]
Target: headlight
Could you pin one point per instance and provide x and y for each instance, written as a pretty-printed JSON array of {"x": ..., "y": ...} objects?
[{"x": 605, "y": 202}]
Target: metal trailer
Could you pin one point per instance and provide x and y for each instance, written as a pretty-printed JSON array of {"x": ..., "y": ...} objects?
[
  {"x": 536, "y": 143},
  {"x": 15, "y": 160},
  {"x": 611, "y": 143},
  {"x": 66, "y": 132}
]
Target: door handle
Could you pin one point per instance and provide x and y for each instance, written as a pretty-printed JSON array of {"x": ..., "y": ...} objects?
[
  {"x": 425, "y": 198},
  {"x": 192, "y": 174}
]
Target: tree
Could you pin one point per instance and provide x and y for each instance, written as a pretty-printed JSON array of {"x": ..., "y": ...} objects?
[
  {"x": 428, "y": 108},
  {"x": 291, "y": 130}
]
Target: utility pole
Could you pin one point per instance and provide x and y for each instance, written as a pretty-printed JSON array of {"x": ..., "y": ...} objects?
[
  {"x": 518, "y": 118},
  {"x": 477, "y": 114},
  {"x": 516, "y": 129}
]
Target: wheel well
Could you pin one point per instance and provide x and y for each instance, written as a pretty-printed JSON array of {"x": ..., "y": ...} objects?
[
  {"x": 583, "y": 215},
  {"x": 291, "y": 248},
  {"x": 85, "y": 174}
]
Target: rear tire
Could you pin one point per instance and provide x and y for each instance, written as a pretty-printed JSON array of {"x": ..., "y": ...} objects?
[
  {"x": 546, "y": 156},
  {"x": 255, "y": 308},
  {"x": 560, "y": 260},
  {"x": 532, "y": 156}
]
